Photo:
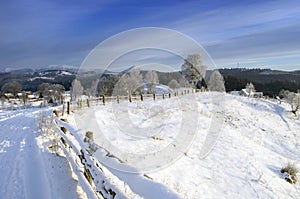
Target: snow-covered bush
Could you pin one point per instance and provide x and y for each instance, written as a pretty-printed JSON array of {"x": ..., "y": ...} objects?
[
  {"x": 290, "y": 172},
  {"x": 45, "y": 125}
]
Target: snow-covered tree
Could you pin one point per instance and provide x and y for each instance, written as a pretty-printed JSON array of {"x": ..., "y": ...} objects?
[
  {"x": 93, "y": 90},
  {"x": 42, "y": 89},
  {"x": 193, "y": 69},
  {"x": 292, "y": 98},
  {"x": 216, "y": 82},
  {"x": 183, "y": 83},
  {"x": 12, "y": 87},
  {"x": 151, "y": 79},
  {"x": 129, "y": 84},
  {"x": 77, "y": 89},
  {"x": 250, "y": 88},
  {"x": 173, "y": 84}
]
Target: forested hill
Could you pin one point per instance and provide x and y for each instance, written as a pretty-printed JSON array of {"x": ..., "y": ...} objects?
[{"x": 268, "y": 81}]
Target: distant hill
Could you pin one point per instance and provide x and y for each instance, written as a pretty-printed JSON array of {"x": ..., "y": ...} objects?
[{"x": 268, "y": 81}]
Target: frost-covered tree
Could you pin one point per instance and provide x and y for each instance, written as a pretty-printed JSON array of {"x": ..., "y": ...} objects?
[
  {"x": 173, "y": 84},
  {"x": 76, "y": 90},
  {"x": 151, "y": 79},
  {"x": 183, "y": 83},
  {"x": 193, "y": 69},
  {"x": 135, "y": 81},
  {"x": 42, "y": 89},
  {"x": 12, "y": 87},
  {"x": 216, "y": 82},
  {"x": 93, "y": 90},
  {"x": 94, "y": 87},
  {"x": 129, "y": 84},
  {"x": 292, "y": 98},
  {"x": 250, "y": 88}
]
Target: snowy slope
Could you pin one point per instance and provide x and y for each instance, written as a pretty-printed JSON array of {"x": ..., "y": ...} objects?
[{"x": 258, "y": 137}]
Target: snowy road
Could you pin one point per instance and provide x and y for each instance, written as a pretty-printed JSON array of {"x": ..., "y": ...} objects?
[{"x": 24, "y": 165}]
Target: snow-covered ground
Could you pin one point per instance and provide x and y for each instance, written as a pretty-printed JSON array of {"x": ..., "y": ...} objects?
[
  {"x": 257, "y": 138},
  {"x": 145, "y": 150},
  {"x": 28, "y": 169}
]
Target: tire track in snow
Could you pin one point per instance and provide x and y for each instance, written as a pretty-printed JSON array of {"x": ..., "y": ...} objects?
[{"x": 20, "y": 164}]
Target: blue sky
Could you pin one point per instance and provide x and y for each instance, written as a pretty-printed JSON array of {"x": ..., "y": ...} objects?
[{"x": 37, "y": 33}]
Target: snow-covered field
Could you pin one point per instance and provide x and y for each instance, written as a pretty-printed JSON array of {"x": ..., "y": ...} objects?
[{"x": 142, "y": 156}]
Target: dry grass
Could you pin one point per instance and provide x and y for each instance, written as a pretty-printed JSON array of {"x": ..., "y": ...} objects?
[{"x": 290, "y": 172}]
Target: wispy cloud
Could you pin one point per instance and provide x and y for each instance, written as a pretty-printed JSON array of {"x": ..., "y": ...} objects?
[{"x": 37, "y": 33}]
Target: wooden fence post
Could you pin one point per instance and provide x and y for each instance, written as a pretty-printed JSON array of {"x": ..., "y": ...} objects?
[
  {"x": 56, "y": 113},
  {"x": 68, "y": 107},
  {"x": 88, "y": 102},
  {"x": 129, "y": 98},
  {"x": 163, "y": 96},
  {"x": 169, "y": 95},
  {"x": 63, "y": 109},
  {"x": 154, "y": 96},
  {"x": 118, "y": 99},
  {"x": 142, "y": 97},
  {"x": 103, "y": 99}
]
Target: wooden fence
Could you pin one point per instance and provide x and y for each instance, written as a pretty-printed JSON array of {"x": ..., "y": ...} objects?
[{"x": 103, "y": 100}]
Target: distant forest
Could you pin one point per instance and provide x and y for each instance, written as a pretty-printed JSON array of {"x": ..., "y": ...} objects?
[{"x": 270, "y": 82}]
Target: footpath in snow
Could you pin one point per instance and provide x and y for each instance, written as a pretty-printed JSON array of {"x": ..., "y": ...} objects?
[{"x": 27, "y": 169}]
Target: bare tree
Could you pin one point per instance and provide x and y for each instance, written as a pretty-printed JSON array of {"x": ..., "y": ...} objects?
[
  {"x": 216, "y": 82},
  {"x": 151, "y": 79},
  {"x": 12, "y": 87},
  {"x": 77, "y": 89},
  {"x": 173, "y": 84},
  {"x": 193, "y": 69}
]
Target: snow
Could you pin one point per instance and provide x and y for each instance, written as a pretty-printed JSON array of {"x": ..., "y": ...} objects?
[
  {"x": 256, "y": 139},
  {"x": 27, "y": 169},
  {"x": 203, "y": 145}
]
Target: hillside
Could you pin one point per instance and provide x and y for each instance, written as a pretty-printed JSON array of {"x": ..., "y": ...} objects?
[
  {"x": 257, "y": 138},
  {"x": 222, "y": 146}
]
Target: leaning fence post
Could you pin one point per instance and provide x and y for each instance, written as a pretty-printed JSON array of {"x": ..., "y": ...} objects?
[{"x": 56, "y": 113}]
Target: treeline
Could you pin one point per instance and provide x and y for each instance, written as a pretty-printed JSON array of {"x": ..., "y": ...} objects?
[{"x": 270, "y": 89}]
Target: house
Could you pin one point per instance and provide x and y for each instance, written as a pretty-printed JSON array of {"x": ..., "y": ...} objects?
[{"x": 244, "y": 92}]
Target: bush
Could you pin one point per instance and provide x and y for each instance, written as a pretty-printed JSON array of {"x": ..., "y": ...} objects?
[{"x": 290, "y": 172}]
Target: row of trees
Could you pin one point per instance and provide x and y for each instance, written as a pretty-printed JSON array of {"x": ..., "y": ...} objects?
[
  {"x": 194, "y": 75},
  {"x": 52, "y": 93},
  {"x": 195, "y": 72}
]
